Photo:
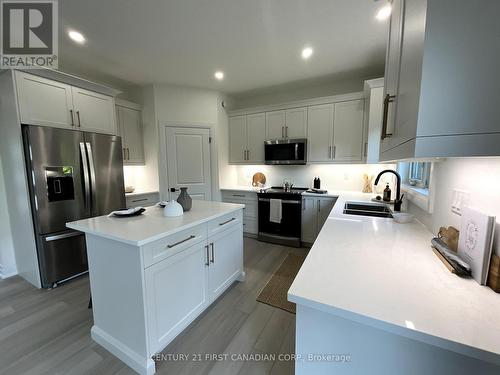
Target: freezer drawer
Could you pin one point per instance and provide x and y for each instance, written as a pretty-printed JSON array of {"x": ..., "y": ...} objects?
[{"x": 62, "y": 255}]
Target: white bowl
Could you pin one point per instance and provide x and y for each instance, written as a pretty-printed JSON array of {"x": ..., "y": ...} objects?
[
  {"x": 402, "y": 217},
  {"x": 173, "y": 209}
]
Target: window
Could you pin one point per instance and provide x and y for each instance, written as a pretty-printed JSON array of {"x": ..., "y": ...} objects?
[{"x": 418, "y": 174}]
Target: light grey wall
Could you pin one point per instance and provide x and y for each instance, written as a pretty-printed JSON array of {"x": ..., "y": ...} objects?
[
  {"x": 479, "y": 176},
  {"x": 7, "y": 257}
]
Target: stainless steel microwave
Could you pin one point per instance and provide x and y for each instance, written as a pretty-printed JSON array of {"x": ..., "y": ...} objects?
[{"x": 286, "y": 151}]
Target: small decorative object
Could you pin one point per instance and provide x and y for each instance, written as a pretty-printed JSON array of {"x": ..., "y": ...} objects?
[
  {"x": 173, "y": 209},
  {"x": 258, "y": 179},
  {"x": 387, "y": 194},
  {"x": 475, "y": 242},
  {"x": 450, "y": 237},
  {"x": 129, "y": 189},
  {"x": 184, "y": 199},
  {"x": 367, "y": 183}
]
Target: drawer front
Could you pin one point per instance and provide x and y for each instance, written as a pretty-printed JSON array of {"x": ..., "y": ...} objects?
[
  {"x": 250, "y": 225},
  {"x": 224, "y": 222},
  {"x": 234, "y": 194},
  {"x": 250, "y": 209},
  {"x": 171, "y": 245},
  {"x": 144, "y": 200}
]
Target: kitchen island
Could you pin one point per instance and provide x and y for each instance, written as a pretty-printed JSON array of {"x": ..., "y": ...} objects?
[
  {"x": 151, "y": 276},
  {"x": 372, "y": 298}
]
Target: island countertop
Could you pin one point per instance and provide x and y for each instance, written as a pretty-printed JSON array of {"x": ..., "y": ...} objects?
[
  {"x": 152, "y": 225},
  {"x": 383, "y": 274}
]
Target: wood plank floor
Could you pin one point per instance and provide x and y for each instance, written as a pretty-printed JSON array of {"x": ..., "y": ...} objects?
[{"x": 48, "y": 331}]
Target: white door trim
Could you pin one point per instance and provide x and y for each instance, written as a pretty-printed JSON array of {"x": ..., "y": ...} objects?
[{"x": 214, "y": 164}]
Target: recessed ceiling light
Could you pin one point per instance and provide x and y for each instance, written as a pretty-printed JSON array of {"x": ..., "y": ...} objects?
[
  {"x": 219, "y": 75},
  {"x": 307, "y": 53},
  {"x": 76, "y": 36},
  {"x": 384, "y": 12}
]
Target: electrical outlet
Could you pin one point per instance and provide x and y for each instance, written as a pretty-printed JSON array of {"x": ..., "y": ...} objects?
[{"x": 459, "y": 199}]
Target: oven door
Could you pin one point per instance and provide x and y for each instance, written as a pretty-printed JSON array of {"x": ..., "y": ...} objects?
[
  {"x": 290, "y": 226},
  {"x": 286, "y": 151}
]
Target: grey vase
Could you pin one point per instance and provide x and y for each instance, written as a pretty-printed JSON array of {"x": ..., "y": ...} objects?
[{"x": 184, "y": 199}]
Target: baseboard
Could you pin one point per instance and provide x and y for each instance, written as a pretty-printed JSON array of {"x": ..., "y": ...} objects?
[{"x": 143, "y": 365}]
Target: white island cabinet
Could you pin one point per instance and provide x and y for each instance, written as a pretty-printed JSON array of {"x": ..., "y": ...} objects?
[{"x": 151, "y": 276}]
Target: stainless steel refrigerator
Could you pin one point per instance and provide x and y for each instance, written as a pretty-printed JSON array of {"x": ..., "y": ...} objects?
[{"x": 72, "y": 175}]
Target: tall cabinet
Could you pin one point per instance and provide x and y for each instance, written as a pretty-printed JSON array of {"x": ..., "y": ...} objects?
[
  {"x": 440, "y": 99},
  {"x": 129, "y": 118}
]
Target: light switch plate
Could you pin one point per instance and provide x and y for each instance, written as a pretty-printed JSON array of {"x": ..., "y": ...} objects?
[{"x": 459, "y": 199}]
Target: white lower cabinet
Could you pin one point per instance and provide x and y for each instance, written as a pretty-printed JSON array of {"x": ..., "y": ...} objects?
[
  {"x": 179, "y": 287},
  {"x": 315, "y": 212},
  {"x": 225, "y": 260},
  {"x": 176, "y": 292},
  {"x": 250, "y": 212}
]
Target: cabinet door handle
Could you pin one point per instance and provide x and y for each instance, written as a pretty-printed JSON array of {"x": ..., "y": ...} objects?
[
  {"x": 239, "y": 195},
  {"x": 139, "y": 200},
  {"x": 388, "y": 99},
  {"x": 180, "y": 242},
  {"x": 72, "y": 118},
  {"x": 213, "y": 253},
  {"x": 128, "y": 153},
  {"x": 334, "y": 152},
  {"x": 366, "y": 149},
  {"x": 207, "y": 263},
  {"x": 286, "y": 131},
  {"x": 79, "y": 120},
  {"x": 226, "y": 222},
  {"x": 282, "y": 132},
  {"x": 319, "y": 206},
  {"x": 330, "y": 152},
  {"x": 248, "y": 154}
]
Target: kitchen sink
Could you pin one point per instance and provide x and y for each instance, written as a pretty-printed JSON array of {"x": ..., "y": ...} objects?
[{"x": 367, "y": 209}]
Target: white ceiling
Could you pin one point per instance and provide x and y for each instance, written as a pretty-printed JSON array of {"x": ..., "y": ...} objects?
[{"x": 257, "y": 43}]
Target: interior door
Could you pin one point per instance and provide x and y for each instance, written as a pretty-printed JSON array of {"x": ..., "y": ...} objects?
[
  {"x": 188, "y": 161},
  {"x": 348, "y": 131},
  {"x": 275, "y": 125},
  {"x": 237, "y": 139},
  {"x": 106, "y": 173},
  {"x": 256, "y": 133},
  {"x": 296, "y": 123},
  {"x": 94, "y": 112},
  {"x": 320, "y": 132},
  {"x": 43, "y": 101}
]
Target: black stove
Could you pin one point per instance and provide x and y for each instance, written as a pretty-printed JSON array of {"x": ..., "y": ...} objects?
[{"x": 288, "y": 231}]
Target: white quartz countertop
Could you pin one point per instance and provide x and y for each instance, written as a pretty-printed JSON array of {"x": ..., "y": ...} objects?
[
  {"x": 383, "y": 274},
  {"x": 152, "y": 225}
]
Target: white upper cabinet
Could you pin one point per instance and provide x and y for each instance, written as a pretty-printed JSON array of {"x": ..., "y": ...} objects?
[
  {"x": 47, "y": 102},
  {"x": 43, "y": 101},
  {"x": 246, "y": 138},
  {"x": 348, "y": 131},
  {"x": 275, "y": 125},
  {"x": 94, "y": 112},
  {"x": 129, "y": 120},
  {"x": 256, "y": 133},
  {"x": 320, "y": 133},
  {"x": 296, "y": 123},
  {"x": 335, "y": 132},
  {"x": 442, "y": 104},
  {"x": 290, "y": 123},
  {"x": 237, "y": 139},
  {"x": 374, "y": 97}
]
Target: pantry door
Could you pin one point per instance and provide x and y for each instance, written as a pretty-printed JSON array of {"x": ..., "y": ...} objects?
[{"x": 188, "y": 162}]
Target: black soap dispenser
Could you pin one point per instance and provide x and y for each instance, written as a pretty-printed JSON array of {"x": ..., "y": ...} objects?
[
  {"x": 317, "y": 183},
  {"x": 387, "y": 194}
]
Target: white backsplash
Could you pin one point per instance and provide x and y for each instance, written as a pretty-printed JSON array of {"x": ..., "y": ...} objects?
[{"x": 333, "y": 176}]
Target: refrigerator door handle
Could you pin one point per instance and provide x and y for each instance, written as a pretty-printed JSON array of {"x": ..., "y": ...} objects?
[
  {"x": 92, "y": 175},
  {"x": 86, "y": 179}
]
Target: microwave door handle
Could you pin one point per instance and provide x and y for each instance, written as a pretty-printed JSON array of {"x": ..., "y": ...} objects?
[
  {"x": 92, "y": 175},
  {"x": 86, "y": 179}
]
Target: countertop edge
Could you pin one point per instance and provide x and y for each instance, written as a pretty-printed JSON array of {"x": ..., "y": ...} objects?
[
  {"x": 399, "y": 330},
  {"x": 159, "y": 236}
]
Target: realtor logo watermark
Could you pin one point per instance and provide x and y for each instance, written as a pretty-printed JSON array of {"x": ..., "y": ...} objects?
[{"x": 29, "y": 34}]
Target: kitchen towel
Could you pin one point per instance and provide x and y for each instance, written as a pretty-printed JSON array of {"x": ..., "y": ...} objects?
[{"x": 275, "y": 211}]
